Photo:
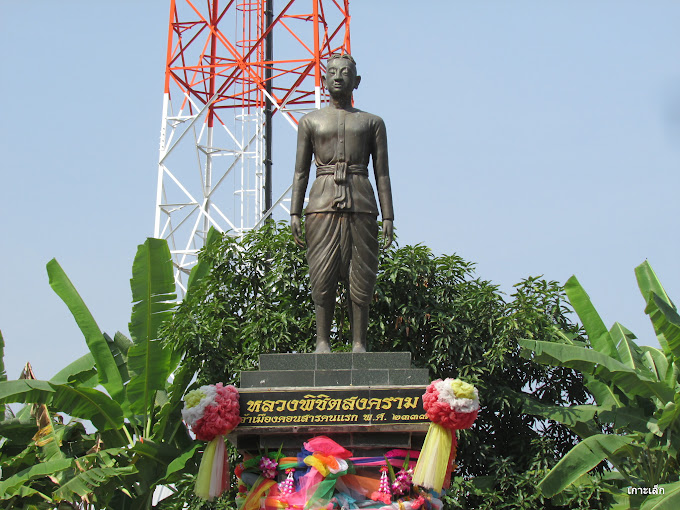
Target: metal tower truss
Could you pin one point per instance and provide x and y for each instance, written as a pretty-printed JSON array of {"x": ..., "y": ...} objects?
[{"x": 223, "y": 83}]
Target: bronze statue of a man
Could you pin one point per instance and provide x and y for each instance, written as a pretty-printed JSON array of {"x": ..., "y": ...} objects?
[{"x": 341, "y": 217}]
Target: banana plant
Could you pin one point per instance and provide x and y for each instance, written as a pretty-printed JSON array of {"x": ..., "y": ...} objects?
[
  {"x": 636, "y": 392},
  {"x": 122, "y": 387}
]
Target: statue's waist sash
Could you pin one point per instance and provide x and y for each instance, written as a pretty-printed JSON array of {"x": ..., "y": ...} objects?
[{"x": 340, "y": 171}]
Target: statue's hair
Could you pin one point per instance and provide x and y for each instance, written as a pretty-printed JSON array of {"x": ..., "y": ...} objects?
[{"x": 343, "y": 56}]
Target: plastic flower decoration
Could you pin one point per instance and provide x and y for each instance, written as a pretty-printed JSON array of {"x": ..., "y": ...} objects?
[
  {"x": 268, "y": 467},
  {"x": 402, "y": 482},
  {"x": 450, "y": 404},
  {"x": 212, "y": 412}
]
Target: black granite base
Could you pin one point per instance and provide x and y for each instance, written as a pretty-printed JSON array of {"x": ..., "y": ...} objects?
[{"x": 335, "y": 369}]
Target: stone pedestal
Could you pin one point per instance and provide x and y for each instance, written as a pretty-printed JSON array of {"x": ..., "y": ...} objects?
[
  {"x": 367, "y": 402},
  {"x": 335, "y": 369}
]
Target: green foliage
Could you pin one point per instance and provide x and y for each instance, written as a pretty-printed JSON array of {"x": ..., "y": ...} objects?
[
  {"x": 140, "y": 441},
  {"x": 637, "y": 396},
  {"x": 255, "y": 298},
  {"x": 508, "y": 488},
  {"x": 148, "y": 360},
  {"x": 108, "y": 374},
  {"x": 3, "y": 373}
]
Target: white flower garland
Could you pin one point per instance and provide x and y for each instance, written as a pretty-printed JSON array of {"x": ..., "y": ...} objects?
[{"x": 460, "y": 405}]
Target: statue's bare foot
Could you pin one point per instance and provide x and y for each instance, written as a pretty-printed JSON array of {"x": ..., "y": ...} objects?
[
  {"x": 358, "y": 347},
  {"x": 322, "y": 346}
]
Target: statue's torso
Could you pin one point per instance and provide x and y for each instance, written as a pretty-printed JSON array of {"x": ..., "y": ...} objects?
[{"x": 340, "y": 135}]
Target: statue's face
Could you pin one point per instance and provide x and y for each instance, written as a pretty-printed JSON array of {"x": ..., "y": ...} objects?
[{"x": 341, "y": 77}]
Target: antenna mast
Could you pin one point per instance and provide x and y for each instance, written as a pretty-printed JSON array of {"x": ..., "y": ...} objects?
[{"x": 223, "y": 85}]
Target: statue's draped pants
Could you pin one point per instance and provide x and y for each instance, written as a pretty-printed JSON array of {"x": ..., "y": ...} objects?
[{"x": 342, "y": 245}]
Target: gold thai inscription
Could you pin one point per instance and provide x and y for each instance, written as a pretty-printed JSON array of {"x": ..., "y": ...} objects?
[
  {"x": 411, "y": 402},
  {"x": 332, "y": 407},
  {"x": 348, "y": 403}
]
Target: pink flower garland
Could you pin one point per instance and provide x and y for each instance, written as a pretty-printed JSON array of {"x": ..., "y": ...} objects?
[
  {"x": 221, "y": 413},
  {"x": 451, "y": 405}
]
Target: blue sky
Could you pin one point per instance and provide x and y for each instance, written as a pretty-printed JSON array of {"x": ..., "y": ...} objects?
[{"x": 533, "y": 138}]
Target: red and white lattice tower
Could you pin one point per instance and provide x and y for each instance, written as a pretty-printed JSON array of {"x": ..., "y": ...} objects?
[{"x": 223, "y": 83}]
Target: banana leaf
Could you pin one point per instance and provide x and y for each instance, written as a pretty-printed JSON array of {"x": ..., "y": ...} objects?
[
  {"x": 18, "y": 430},
  {"x": 169, "y": 417},
  {"x": 657, "y": 363},
  {"x": 629, "y": 417},
  {"x": 24, "y": 492},
  {"x": 119, "y": 346},
  {"x": 153, "y": 295},
  {"x": 178, "y": 465},
  {"x": 11, "y": 485},
  {"x": 649, "y": 286},
  {"x": 579, "y": 460},
  {"x": 89, "y": 404},
  {"x": 123, "y": 344},
  {"x": 81, "y": 372},
  {"x": 649, "y": 283},
  {"x": 669, "y": 500},
  {"x": 152, "y": 460},
  {"x": 85, "y": 403},
  {"x": 669, "y": 415},
  {"x": 109, "y": 377},
  {"x": 624, "y": 501},
  {"x": 578, "y": 418},
  {"x": 153, "y": 289},
  {"x": 666, "y": 322},
  {"x": 598, "y": 335},
  {"x": 590, "y": 361},
  {"x": 89, "y": 479},
  {"x": 3, "y": 374},
  {"x": 202, "y": 268},
  {"x": 49, "y": 437},
  {"x": 25, "y": 391},
  {"x": 605, "y": 395},
  {"x": 629, "y": 352}
]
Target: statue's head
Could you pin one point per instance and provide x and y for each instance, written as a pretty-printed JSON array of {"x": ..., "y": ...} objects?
[{"x": 341, "y": 75}]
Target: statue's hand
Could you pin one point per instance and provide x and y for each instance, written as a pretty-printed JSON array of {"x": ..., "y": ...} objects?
[
  {"x": 296, "y": 228},
  {"x": 388, "y": 233}
]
